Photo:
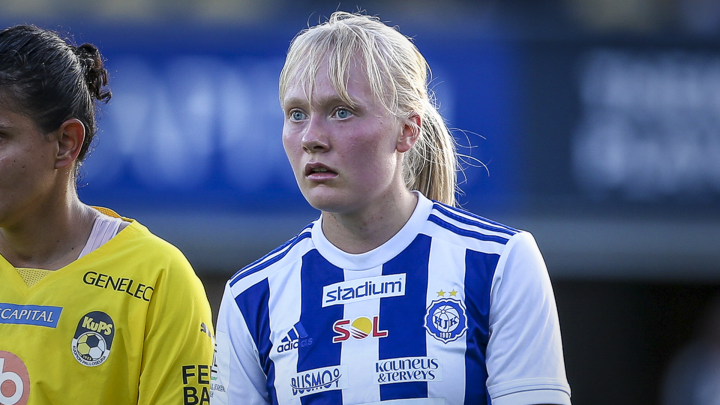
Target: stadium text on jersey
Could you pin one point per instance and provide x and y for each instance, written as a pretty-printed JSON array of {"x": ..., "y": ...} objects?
[{"x": 363, "y": 289}]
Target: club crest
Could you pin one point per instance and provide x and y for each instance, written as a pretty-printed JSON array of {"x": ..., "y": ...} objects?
[{"x": 446, "y": 320}]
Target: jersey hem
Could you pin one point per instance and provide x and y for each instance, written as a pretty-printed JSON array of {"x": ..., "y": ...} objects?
[
  {"x": 528, "y": 384},
  {"x": 540, "y": 396}
]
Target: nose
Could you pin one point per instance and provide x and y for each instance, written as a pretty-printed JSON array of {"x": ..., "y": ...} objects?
[{"x": 315, "y": 138}]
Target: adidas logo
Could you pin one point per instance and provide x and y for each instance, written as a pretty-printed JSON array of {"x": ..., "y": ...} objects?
[{"x": 296, "y": 337}]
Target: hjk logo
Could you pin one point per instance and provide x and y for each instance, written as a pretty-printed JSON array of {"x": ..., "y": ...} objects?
[
  {"x": 445, "y": 319},
  {"x": 360, "y": 328},
  {"x": 297, "y": 337}
]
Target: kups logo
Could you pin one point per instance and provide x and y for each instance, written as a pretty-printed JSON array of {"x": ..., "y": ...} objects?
[
  {"x": 93, "y": 339},
  {"x": 14, "y": 380},
  {"x": 360, "y": 328}
]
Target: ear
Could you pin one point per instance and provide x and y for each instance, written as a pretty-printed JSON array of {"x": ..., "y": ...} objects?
[
  {"x": 410, "y": 133},
  {"x": 70, "y": 137}
]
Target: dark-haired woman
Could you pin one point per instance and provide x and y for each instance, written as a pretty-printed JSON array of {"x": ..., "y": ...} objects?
[{"x": 93, "y": 307}]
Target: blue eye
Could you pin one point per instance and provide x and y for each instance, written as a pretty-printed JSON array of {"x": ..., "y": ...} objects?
[
  {"x": 343, "y": 113},
  {"x": 297, "y": 115}
]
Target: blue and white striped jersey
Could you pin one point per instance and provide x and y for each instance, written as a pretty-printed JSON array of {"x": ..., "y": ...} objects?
[{"x": 454, "y": 309}]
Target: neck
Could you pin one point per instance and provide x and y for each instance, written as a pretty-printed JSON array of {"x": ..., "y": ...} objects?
[
  {"x": 364, "y": 231},
  {"x": 51, "y": 237}
]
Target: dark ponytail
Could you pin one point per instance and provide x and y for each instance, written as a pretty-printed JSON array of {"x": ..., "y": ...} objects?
[
  {"x": 96, "y": 76},
  {"x": 96, "y": 80},
  {"x": 51, "y": 81}
]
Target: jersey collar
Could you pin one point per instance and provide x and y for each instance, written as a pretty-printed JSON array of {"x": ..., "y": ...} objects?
[{"x": 382, "y": 253}]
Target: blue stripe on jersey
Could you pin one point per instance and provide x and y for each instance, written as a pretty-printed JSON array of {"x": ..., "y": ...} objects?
[
  {"x": 464, "y": 232},
  {"x": 479, "y": 222},
  {"x": 480, "y": 268},
  {"x": 406, "y": 333},
  {"x": 316, "y": 273},
  {"x": 264, "y": 262},
  {"x": 253, "y": 303}
]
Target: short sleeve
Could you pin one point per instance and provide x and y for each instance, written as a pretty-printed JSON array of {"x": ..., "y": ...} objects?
[
  {"x": 178, "y": 348},
  {"x": 524, "y": 354},
  {"x": 238, "y": 377}
]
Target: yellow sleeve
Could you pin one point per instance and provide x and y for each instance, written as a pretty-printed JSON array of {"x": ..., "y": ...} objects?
[{"x": 179, "y": 343}]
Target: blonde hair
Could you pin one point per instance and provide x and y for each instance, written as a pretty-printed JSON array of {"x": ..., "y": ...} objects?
[{"x": 398, "y": 77}]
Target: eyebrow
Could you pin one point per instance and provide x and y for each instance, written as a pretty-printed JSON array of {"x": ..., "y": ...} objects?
[
  {"x": 302, "y": 101},
  {"x": 294, "y": 101}
]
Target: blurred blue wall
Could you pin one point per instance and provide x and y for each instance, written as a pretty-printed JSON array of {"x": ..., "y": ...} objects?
[{"x": 605, "y": 146}]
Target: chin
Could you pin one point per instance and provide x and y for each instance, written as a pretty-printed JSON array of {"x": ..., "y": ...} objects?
[
  {"x": 326, "y": 202},
  {"x": 325, "y": 206}
]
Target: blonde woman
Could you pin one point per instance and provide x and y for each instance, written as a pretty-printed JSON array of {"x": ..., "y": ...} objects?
[{"x": 393, "y": 295}]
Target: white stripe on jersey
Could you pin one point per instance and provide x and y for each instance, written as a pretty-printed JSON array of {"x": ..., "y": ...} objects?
[
  {"x": 362, "y": 352},
  {"x": 447, "y": 270},
  {"x": 284, "y": 315}
]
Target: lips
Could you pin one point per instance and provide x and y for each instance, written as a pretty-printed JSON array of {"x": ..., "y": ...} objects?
[{"x": 318, "y": 171}]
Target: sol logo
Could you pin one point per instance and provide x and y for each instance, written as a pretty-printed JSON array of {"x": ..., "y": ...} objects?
[
  {"x": 360, "y": 328},
  {"x": 14, "y": 380}
]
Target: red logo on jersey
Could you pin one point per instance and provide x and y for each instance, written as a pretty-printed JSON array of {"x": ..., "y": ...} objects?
[
  {"x": 360, "y": 328},
  {"x": 14, "y": 380}
]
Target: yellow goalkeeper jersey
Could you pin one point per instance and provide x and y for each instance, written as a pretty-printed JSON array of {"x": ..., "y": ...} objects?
[{"x": 128, "y": 323}]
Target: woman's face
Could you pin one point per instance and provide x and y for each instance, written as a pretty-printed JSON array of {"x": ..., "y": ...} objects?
[
  {"x": 26, "y": 166},
  {"x": 345, "y": 158}
]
